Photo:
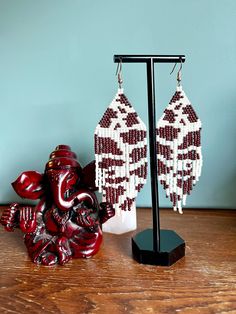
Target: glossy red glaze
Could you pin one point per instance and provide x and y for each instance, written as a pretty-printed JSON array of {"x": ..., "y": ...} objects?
[
  {"x": 29, "y": 185},
  {"x": 89, "y": 175},
  {"x": 67, "y": 220}
]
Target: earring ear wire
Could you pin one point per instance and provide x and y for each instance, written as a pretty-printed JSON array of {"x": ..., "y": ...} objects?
[
  {"x": 179, "y": 73},
  {"x": 118, "y": 73}
]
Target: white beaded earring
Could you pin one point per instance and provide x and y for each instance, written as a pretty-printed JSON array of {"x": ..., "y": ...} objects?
[
  {"x": 179, "y": 147},
  {"x": 120, "y": 152}
]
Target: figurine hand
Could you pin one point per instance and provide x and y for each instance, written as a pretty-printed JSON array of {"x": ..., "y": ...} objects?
[
  {"x": 106, "y": 212},
  {"x": 9, "y": 217},
  {"x": 28, "y": 221},
  {"x": 84, "y": 218}
]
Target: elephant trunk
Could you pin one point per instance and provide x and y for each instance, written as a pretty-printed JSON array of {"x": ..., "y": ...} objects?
[
  {"x": 59, "y": 196},
  {"x": 63, "y": 203}
]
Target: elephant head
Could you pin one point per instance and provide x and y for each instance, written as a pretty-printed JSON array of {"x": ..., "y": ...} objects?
[
  {"x": 64, "y": 180},
  {"x": 63, "y": 173}
]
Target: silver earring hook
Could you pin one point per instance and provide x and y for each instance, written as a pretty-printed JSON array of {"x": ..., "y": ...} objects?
[
  {"x": 173, "y": 68},
  {"x": 118, "y": 73},
  {"x": 179, "y": 76}
]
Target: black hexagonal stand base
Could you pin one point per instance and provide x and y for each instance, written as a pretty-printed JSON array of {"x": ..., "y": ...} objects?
[{"x": 172, "y": 248}]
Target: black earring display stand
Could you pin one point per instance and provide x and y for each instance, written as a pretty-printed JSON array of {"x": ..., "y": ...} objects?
[{"x": 154, "y": 246}]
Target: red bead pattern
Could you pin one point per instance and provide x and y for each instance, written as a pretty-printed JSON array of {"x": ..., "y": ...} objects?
[
  {"x": 179, "y": 157},
  {"x": 120, "y": 153},
  {"x": 107, "y": 118}
]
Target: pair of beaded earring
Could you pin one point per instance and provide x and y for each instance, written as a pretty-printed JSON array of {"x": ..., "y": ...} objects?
[
  {"x": 179, "y": 156},
  {"x": 120, "y": 152}
]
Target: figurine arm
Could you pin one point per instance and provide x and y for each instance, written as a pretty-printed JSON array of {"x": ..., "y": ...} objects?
[
  {"x": 10, "y": 217},
  {"x": 85, "y": 217},
  {"x": 106, "y": 212},
  {"x": 14, "y": 217}
]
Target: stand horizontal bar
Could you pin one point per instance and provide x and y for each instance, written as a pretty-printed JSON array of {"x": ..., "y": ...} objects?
[{"x": 146, "y": 58}]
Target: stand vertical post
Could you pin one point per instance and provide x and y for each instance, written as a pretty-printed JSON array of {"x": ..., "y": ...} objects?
[
  {"x": 153, "y": 154},
  {"x": 154, "y": 246}
]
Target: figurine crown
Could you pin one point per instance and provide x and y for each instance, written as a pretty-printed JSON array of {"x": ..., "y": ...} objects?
[{"x": 62, "y": 157}]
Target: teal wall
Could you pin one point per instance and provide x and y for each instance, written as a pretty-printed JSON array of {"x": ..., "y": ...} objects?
[{"x": 57, "y": 76}]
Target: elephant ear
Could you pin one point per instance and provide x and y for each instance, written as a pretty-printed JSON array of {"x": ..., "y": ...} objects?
[
  {"x": 29, "y": 185},
  {"x": 88, "y": 176}
]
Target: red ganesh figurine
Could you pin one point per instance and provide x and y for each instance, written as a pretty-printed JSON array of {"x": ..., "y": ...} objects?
[{"x": 67, "y": 220}]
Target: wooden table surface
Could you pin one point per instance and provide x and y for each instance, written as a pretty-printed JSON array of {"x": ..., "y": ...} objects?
[{"x": 204, "y": 281}]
